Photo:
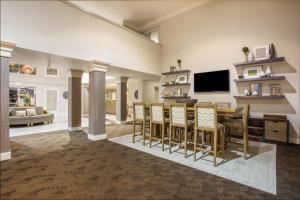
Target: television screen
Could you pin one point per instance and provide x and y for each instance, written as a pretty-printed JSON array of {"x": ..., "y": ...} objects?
[{"x": 211, "y": 81}]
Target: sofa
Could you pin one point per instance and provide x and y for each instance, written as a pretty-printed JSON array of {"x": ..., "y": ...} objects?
[{"x": 40, "y": 117}]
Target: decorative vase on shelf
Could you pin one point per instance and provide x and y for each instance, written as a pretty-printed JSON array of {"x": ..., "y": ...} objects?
[
  {"x": 246, "y": 57},
  {"x": 262, "y": 74},
  {"x": 268, "y": 71}
]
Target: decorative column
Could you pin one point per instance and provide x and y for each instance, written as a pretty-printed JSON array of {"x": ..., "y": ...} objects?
[
  {"x": 121, "y": 98},
  {"x": 74, "y": 99},
  {"x": 97, "y": 90},
  {"x": 6, "y": 50}
]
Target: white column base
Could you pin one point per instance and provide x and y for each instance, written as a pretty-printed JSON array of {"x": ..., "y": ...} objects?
[
  {"x": 74, "y": 129},
  {"x": 120, "y": 122},
  {"x": 295, "y": 140},
  {"x": 5, "y": 156},
  {"x": 97, "y": 137}
]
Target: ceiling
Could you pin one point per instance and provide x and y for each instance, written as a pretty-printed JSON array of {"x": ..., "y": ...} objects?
[{"x": 139, "y": 13}]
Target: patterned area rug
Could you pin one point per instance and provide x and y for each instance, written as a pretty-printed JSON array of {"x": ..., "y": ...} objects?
[{"x": 258, "y": 171}]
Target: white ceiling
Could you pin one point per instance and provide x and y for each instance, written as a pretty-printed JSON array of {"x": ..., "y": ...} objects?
[{"x": 140, "y": 13}]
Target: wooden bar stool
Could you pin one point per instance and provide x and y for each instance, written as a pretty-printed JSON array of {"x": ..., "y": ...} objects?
[
  {"x": 157, "y": 117},
  {"x": 139, "y": 118},
  {"x": 178, "y": 119},
  {"x": 206, "y": 121},
  {"x": 241, "y": 124}
]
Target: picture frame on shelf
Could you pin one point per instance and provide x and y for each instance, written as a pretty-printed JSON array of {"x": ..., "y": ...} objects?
[
  {"x": 275, "y": 89},
  {"x": 256, "y": 89},
  {"x": 180, "y": 79},
  {"x": 172, "y": 69},
  {"x": 261, "y": 52},
  {"x": 252, "y": 72}
]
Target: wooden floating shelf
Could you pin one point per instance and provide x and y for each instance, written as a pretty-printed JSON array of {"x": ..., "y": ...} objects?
[
  {"x": 177, "y": 72},
  {"x": 174, "y": 85},
  {"x": 260, "y": 97},
  {"x": 261, "y": 79},
  {"x": 256, "y": 62},
  {"x": 176, "y": 97}
]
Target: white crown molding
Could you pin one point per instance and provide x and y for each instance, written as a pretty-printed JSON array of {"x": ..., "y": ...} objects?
[
  {"x": 6, "y": 49},
  {"x": 75, "y": 73},
  {"x": 97, "y": 137},
  {"x": 5, "y": 156},
  {"x": 99, "y": 66},
  {"x": 172, "y": 14}
]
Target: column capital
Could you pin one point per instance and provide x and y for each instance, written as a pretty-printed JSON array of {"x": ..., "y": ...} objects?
[
  {"x": 75, "y": 73},
  {"x": 6, "y": 48},
  {"x": 122, "y": 79},
  {"x": 99, "y": 66}
]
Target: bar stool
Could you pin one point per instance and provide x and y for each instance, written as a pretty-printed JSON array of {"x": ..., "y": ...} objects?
[
  {"x": 241, "y": 124},
  {"x": 206, "y": 121},
  {"x": 178, "y": 119},
  {"x": 157, "y": 117},
  {"x": 139, "y": 118}
]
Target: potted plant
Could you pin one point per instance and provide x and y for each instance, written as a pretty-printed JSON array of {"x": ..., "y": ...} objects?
[
  {"x": 246, "y": 52},
  {"x": 27, "y": 99},
  {"x": 179, "y": 63}
]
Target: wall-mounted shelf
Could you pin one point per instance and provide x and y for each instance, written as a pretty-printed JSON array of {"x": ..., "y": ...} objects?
[
  {"x": 257, "y": 62},
  {"x": 260, "y": 97},
  {"x": 176, "y": 97},
  {"x": 175, "y": 85},
  {"x": 261, "y": 79},
  {"x": 177, "y": 72}
]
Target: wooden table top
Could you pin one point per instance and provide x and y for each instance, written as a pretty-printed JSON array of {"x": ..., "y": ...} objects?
[{"x": 221, "y": 110}]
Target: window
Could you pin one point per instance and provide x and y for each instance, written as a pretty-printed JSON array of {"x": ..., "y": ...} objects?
[
  {"x": 51, "y": 99},
  {"x": 52, "y": 72}
]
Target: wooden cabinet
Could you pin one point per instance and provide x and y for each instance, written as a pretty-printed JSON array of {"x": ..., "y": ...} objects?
[{"x": 276, "y": 128}]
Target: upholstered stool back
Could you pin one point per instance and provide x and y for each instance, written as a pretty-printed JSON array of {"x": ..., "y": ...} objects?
[
  {"x": 178, "y": 114},
  {"x": 157, "y": 113},
  {"x": 206, "y": 117}
]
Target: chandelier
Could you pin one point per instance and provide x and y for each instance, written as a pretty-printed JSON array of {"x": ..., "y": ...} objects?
[{"x": 27, "y": 69}]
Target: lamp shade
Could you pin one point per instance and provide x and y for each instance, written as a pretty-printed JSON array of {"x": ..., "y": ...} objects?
[{"x": 27, "y": 69}]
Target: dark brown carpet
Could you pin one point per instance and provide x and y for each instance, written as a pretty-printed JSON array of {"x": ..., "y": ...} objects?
[{"x": 68, "y": 166}]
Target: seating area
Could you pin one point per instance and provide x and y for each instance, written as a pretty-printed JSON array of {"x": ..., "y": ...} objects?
[
  {"x": 29, "y": 116},
  {"x": 176, "y": 124}
]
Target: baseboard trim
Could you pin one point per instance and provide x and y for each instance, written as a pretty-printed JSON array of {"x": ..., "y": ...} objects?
[
  {"x": 97, "y": 137},
  {"x": 74, "y": 129},
  {"x": 5, "y": 156},
  {"x": 295, "y": 140}
]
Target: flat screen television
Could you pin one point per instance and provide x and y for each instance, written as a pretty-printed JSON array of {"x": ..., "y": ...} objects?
[{"x": 216, "y": 81}]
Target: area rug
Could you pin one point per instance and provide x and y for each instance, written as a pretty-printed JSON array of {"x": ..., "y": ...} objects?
[{"x": 258, "y": 171}]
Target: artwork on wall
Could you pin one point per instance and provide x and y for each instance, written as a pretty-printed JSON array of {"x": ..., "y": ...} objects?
[
  {"x": 252, "y": 72},
  {"x": 65, "y": 94},
  {"x": 136, "y": 94}
]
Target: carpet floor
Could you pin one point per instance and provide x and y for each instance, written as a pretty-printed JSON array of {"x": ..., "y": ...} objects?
[{"x": 62, "y": 165}]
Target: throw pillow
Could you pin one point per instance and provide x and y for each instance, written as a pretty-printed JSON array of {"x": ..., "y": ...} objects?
[
  {"x": 31, "y": 112},
  {"x": 21, "y": 113}
]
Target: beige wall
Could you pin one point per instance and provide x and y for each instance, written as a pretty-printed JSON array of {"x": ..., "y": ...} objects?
[
  {"x": 56, "y": 28},
  {"x": 149, "y": 91},
  {"x": 211, "y": 37}
]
